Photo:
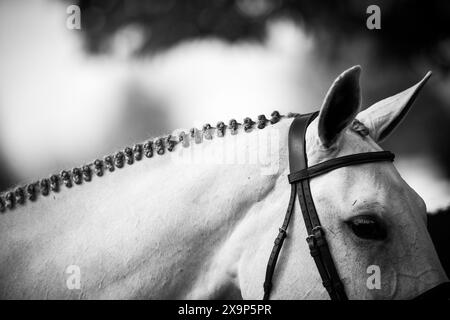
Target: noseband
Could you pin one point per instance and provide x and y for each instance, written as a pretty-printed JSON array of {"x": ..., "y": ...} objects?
[{"x": 299, "y": 177}]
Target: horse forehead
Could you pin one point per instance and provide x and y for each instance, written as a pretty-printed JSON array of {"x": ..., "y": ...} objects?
[
  {"x": 378, "y": 180},
  {"x": 370, "y": 181},
  {"x": 373, "y": 187},
  {"x": 366, "y": 188},
  {"x": 350, "y": 142},
  {"x": 375, "y": 182}
]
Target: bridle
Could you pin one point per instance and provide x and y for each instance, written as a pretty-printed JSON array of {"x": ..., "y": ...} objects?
[{"x": 299, "y": 177}]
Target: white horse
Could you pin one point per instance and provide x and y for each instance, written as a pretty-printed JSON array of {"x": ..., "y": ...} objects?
[{"x": 167, "y": 228}]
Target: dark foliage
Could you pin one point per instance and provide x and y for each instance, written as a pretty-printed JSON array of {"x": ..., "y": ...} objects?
[{"x": 410, "y": 29}]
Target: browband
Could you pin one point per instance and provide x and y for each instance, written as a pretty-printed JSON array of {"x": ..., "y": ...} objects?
[
  {"x": 299, "y": 180},
  {"x": 336, "y": 163}
]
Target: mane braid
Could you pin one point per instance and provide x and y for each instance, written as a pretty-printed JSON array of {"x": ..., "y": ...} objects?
[{"x": 19, "y": 194}]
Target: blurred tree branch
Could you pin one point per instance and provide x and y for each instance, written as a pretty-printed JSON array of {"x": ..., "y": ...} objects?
[{"x": 410, "y": 29}]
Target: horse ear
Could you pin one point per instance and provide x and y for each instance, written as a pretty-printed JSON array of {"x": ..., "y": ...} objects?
[
  {"x": 384, "y": 116},
  {"x": 340, "y": 106}
]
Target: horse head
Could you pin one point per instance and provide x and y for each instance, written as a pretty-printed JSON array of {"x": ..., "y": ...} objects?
[{"x": 375, "y": 222}]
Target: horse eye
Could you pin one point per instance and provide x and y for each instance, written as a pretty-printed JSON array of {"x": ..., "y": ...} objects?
[{"x": 367, "y": 227}]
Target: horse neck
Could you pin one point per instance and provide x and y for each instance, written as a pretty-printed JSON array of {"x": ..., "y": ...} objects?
[{"x": 163, "y": 213}]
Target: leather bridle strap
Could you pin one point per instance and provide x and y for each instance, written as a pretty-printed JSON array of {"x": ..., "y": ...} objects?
[
  {"x": 299, "y": 180},
  {"x": 345, "y": 161}
]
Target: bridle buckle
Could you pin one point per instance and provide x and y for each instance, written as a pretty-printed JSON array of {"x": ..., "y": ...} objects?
[
  {"x": 281, "y": 235},
  {"x": 312, "y": 244},
  {"x": 315, "y": 239}
]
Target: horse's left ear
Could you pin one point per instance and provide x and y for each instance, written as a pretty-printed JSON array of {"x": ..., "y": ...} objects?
[
  {"x": 384, "y": 116},
  {"x": 340, "y": 106}
]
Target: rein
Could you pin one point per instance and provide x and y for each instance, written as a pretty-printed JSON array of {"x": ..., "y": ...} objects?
[{"x": 299, "y": 177}]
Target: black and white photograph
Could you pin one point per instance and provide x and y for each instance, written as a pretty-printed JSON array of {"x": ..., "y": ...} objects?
[{"x": 225, "y": 150}]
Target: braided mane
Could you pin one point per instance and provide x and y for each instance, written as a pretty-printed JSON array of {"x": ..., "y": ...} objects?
[{"x": 19, "y": 195}]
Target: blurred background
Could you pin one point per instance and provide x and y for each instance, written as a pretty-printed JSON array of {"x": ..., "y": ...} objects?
[{"x": 138, "y": 69}]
